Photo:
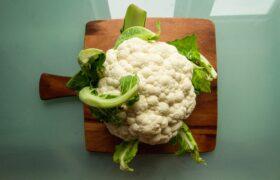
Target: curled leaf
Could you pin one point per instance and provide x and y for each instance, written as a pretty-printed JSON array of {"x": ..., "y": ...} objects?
[
  {"x": 129, "y": 87},
  {"x": 124, "y": 153},
  {"x": 187, "y": 143},
  {"x": 91, "y": 61}
]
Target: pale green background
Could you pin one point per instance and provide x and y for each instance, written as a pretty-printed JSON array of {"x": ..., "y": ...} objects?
[{"x": 44, "y": 140}]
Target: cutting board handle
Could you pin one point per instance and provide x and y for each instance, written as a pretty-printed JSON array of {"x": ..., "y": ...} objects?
[{"x": 53, "y": 86}]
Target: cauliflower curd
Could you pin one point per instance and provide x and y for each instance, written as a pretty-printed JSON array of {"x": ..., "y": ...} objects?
[
  {"x": 166, "y": 93},
  {"x": 143, "y": 89}
]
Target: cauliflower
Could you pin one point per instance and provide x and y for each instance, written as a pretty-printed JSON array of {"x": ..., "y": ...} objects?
[
  {"x": 166, "y": 93},
  {"x": 143, "y": 89}
]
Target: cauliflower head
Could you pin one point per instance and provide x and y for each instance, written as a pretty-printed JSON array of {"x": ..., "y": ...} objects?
[{"x": 166, "y": 93}]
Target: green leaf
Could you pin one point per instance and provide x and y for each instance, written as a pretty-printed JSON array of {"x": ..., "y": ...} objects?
[
  {"x": 91, "y": 61},
  {"x": 108, "y": 107},
  {"x": 200, "y": 80},
  {"x": 209, "y": 68},
  {"x": 187, "y": 143},
  {"x": 94, "y": 100},
  {"x": 134, "y": 16},
  {"x": 204, "y": 72},
  {"x": 187, "y": 46},
  {"x": 124, "y": 153},
  {"x": 108, "y": 96},
  {"x": 136, "y": 31},
  {"x": 132, "y": 100},
  {"x": 109, "y": 115},
  {"x": 134, "y": 26},
  {"x": 127, "y": 82},
  {"x": 89, "y": 56},
  {"x": 78, "y": 81},
  {"x": 173, "y": 141}
]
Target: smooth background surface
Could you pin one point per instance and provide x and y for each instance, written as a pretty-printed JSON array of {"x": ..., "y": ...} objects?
[
  {"x": 166, "y": 9},
  {"x": 44, "y": 140}
]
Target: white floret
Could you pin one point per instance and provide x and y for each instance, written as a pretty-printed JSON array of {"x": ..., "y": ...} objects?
[{"x": 166, "y": 94}]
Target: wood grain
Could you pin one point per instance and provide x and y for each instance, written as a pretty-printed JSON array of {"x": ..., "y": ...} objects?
[
  {"x": 202, "y": 122},
  {"x": 54, "y": 86}
]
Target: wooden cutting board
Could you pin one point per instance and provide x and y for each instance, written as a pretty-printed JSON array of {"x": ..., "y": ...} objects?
[{"x": 103, "y": 34}]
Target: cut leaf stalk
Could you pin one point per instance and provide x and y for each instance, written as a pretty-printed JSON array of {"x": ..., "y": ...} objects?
[{"x": 134, "y": 16}]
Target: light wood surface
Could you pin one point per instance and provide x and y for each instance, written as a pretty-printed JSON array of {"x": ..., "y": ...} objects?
[{"x": 54, "y": 86}]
